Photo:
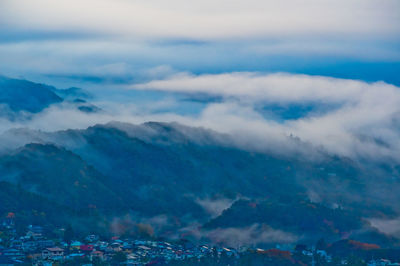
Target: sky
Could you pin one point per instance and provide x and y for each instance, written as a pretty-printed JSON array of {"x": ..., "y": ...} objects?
[
  {"x": 326, "y": 71},
  {"x": 115, "y": 41}
]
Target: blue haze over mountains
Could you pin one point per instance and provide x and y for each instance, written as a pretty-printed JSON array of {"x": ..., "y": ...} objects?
[
  {"x": 108, "y": 172},
  {"x": 208, "y": 120}
]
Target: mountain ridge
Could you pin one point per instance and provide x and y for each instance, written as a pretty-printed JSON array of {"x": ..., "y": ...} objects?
[{"x": 157, "y": 169}]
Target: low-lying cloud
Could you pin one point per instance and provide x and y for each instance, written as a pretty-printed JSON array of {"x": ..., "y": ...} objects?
[
  {"x": 215, "y": 207},
  {"x": 364, "y": 122},
  {"x": 239, "y": 236},
  {"x": 279, "y": 87},
  {"x": 387, "y": 226},
  {"x": 252, "y": 235}
]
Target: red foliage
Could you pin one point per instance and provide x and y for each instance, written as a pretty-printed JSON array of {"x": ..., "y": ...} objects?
[
  {"x": 363, "y": 246},
  {"x": 331, "y": 225},
  {"x": 253, "y": 205},
  {"x": 278, "y": 254},
  {"x": 87, "y": 247}
]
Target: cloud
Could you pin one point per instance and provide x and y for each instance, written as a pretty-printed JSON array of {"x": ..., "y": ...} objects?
[
  {"x": 135, "y": 225},
  {"x": 252, "y": 235},
  {"x": 271, "y": 87},
  {"x": 114, "y": 40},
  {"x": 206, "y": 19},
  {"x": 238, "y": 236},
  {"x": 364, "y": 125},
  {"x": 215, "y": 206},
  {"x": 365, "y": 121},
  {"x": 387, "y": 226}
]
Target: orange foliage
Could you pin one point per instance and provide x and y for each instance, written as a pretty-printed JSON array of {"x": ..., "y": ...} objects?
[
  {"x": 363, "y": 246},
  {"x": 277, "y": 254},
  {"x": 253, "y": 205}
]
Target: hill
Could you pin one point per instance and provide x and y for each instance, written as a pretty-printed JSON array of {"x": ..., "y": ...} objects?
[
  {"x": 20, "y": 98},
  {"x": 23, "y": 95},
  {"x": 172, "y": 176}
]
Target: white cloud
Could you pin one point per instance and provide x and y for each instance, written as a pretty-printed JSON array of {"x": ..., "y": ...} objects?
[
  {"x": 365, "y": 122},
  {"x": 387, "y": 226},
  {"x": 206, "y": 19},
  {"x": 273, "y": 87},
  {"x": 111, "y": 39},
  {"x": 367, "y": 113},
  {"x": 215, "y": 207},
  {"x": 251, "y": 235}
]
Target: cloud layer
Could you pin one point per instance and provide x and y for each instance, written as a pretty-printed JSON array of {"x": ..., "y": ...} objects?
[
  {"x": 114, "y": 40},
  {"x": 365, "y": 119},
  {"x": 113, "y": 43},
  {"x": 206, "y": 19},
  {"x": 362, "y": 122},
  {"x": 281, "y": 87}
]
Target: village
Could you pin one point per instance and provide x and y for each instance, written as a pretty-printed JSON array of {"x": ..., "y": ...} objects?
[{"x": 35, "y": 248}]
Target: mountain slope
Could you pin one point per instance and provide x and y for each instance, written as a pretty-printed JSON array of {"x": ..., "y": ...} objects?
[
  {"x": 23, "y": 95},
  {"x": 21, "y": 98},
  {"x": 180, "y": 173},
  {"x": 58, "y": 175}
]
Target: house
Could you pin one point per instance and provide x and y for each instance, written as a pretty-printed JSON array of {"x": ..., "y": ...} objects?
[
  {"x": 8, "y": 222},
  {"x": 13, "y": 254},
  {"x": 92, "y": 238},
  {"x": 6, "y": 261},
  {"x": 139, "y": 242},
  {"x": 116, "y": 246},
  {"x": 76, "y": 255},
  {"x": 16, "y": 244},
  {"x": 127, "y": 247},
  {"x": 97, "y": 254},
  {"x": 42, "y": 244},
  {"x": 33, "y": 235},
  {"x": 144, "y": 248},
  {"x": 230, "y": 251},
  {"x": 133, "y": 260},
  {"x": 324, "y": 255},
  {"x": 108, "y": 254},
  {"x": 35, "y": 232},
  {"x": 381, "y": 262},
  {"x": 29, "y": 246},
  {"x": 54, "y": 253},
  {"x": 76, "y": 245},
  {"x": 87, "y": 248},
  {"x": 35, "y": 229}
]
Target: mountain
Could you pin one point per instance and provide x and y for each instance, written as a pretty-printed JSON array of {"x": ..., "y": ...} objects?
[
  {"x": 174, "y": 177},
  {"x": 301, "y": 217},
  {"x": 17, "y": 95},
  {"x": 72, "y": 93},
  {"x": 49, "y": 185},
  {"x": 59, "y": 176},
  {"x": 23, "y": 95}
]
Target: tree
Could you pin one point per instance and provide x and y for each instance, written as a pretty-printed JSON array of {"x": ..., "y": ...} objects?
[
  {"x": 356, "y": 261},
  {"x": 68, "y": 234},
  {"x": 119, "y": 257},
  {"x": 321, "y": 244},
  {"x": 96, "y": 261},
  {"x": 145, "y": 230}
]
